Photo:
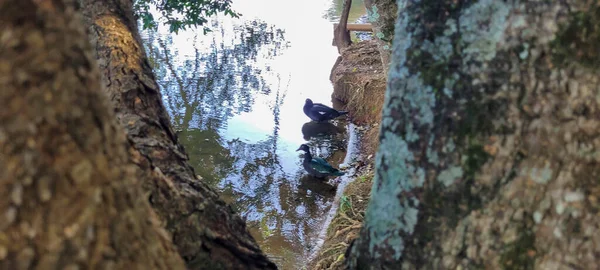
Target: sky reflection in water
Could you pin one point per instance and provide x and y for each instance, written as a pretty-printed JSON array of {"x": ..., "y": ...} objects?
[{"x": 235, "y": 96}]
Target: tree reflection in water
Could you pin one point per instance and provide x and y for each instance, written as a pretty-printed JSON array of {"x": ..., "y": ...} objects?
[
  {"x": 203, "y": 90},
  {"x": 221, "y": 77}
]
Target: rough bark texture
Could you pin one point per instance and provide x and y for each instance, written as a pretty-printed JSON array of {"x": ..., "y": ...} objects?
[
  {"x": 489, "y": 141},
  {"x": 382, "y": 15},
  {"x": 206, "y": 231},
  {"x": 341, "y": 34},
  {"x": 70, "y": 196}
]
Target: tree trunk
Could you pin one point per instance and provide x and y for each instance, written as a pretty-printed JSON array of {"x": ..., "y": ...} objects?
[
  {"x": 489, "y": 141},
  {"x": 382, "y": 15},
  {"x": 341, "y": 35},
  {"x": 70, "y": 196},
  {"x": 206, "y": 231}
]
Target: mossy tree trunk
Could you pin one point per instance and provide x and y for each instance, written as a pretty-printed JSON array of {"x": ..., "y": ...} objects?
[
  {"x": 70, "y": 197},
  {"x": 489, "y": 145},
  {"x": 206, "y": 231},
  {"x": 382, "y": 16}
]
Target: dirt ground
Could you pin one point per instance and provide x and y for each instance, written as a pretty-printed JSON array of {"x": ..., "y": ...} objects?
[{"x": 359, "y": 82}]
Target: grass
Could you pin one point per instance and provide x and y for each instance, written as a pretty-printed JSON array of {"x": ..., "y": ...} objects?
[
  {"x": 345, "y": 225},
  {"x": 370, "y": 141}
]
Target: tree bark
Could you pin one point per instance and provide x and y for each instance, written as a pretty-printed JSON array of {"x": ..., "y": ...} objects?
[
  {"x": 206, "y": 231},
  {"x": 489, "y": 141},
  {"x": 382, "y": 15},
  {"x": 71, "y": 199},
  {"x": 341, "y": 34}
]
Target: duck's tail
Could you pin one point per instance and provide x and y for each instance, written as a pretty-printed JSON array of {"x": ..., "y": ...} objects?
[{"x": 343, "y": 112}]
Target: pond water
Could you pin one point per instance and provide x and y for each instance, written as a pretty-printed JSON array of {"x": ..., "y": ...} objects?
[{"x": 235, "y": 97}]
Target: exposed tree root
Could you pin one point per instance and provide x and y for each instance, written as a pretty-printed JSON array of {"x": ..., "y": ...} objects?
[{"x": 351, "y": 227}]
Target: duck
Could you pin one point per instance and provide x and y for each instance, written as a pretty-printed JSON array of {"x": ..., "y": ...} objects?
[
  {"x": 319, "y": 112},
  {"x": 316, "y": 166}
]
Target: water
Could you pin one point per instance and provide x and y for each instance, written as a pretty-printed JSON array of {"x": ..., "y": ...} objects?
[
  {"x": 235, "y": 97},
  {"x": 353, "y": 146}
]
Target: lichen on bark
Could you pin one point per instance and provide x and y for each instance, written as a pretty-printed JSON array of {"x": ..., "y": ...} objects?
[
  {"x": 382, "y": 16},
  {"x": 482, "y": 102}
]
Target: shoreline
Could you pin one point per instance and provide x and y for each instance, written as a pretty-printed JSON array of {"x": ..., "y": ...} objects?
[{"x": 359, "y": 83}]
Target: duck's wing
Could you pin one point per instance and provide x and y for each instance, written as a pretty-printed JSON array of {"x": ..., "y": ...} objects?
[
  {"x": 321, "y": 160},
  {"x": 321, "y": 165},
  {"x": 322, "y": 107},
  {"x": 322, "y": 110}
]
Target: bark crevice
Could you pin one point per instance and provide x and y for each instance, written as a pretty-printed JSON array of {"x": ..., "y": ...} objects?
[
  {"x": 192, "y": 210},
  {"x": 72, "y": 197}
]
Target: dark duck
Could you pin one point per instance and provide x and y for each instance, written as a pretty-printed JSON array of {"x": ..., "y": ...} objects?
[
  {"x": 319, "y": 112},
  {"x": 317, "y": 166}
]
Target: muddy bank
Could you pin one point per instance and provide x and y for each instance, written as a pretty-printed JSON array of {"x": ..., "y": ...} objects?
[{"x": 359, "y": 83}]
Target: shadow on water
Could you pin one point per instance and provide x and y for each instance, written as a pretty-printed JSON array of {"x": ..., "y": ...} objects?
[
  {"x": 235, "y": 99},
  {"x": 316, "y": 130},
  {"x": 316, "y": 185},
  {"x": 326, "y": 140}
]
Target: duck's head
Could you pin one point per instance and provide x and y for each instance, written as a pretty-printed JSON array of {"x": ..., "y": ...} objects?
[
  {"x": 308, "y": 102},
  {"x": 304, "y": 148}
]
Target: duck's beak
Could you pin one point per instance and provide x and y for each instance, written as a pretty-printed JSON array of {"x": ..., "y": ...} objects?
[{"x": 299, "y": 148}]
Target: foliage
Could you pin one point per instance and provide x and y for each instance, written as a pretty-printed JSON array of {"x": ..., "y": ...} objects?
[
  {"x": 345, "y": 203},
  {"x": 181, "y": 14}
]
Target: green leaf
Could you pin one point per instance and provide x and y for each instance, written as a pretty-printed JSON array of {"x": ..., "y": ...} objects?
[{"x": 181, "y": 14}]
